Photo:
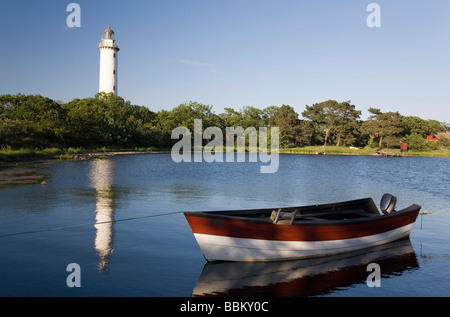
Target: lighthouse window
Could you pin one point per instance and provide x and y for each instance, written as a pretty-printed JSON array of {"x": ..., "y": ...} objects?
[
  {"x": 114, "y": 55},
  {"x": 114, "y": 88},
  {"x": 114, "y": 72}
]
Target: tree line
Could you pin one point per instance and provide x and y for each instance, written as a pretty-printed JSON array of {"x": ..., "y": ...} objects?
[{"x": 107, "y": 120}]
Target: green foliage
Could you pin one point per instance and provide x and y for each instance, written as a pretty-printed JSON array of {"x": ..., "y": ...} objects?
[
  {"x": 338, "y": 121},
  {"x": 416, "y": 142},
  {"x": 108, "y": 121},
  {"x": 8, "y": 154},
  {"x": 287, "y": 120},
  {"x": 416, "y": 125},
  {"x": 30, "y": 120},
  {"x": 382, "y": 125}
]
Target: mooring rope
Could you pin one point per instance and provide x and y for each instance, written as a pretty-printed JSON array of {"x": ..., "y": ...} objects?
[
  {"x": 133, "y": 218},
  {"x": 89, "y": 224},
  {"x": 428, "y": 213},
  {"x": 433, "y": 212}
]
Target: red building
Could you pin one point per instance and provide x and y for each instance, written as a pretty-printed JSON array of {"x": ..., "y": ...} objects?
[
  {"x": 437, "y": 136},
  {"x": 431, "y": 137}
]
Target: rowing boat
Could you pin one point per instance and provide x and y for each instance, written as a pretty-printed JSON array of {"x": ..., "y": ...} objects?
[{"x": 300, "y": 232}]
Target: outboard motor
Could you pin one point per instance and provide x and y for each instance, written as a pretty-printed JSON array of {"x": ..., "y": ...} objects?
[{"x": 387, "y": 203}]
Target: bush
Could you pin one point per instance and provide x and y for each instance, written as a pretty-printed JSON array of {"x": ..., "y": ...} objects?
[
  {"x": 392, "y": 142},
  {"x": 416, "y": 142},
  {"x": 445, "y": 143},
  {"x": 78, "y": 150}
]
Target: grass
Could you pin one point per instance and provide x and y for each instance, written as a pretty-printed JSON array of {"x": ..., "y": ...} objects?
[
  {"x": 10, "y": 155},
  {"x": 437, "y": 153},
  {"x": 342, "y": 150}
]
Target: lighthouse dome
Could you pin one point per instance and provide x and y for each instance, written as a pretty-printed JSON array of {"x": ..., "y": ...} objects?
[
  {"x": 108, "y": 34},
  {"x": 108, "y": 30}
]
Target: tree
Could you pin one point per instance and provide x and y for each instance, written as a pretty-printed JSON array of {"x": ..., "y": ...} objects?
[
  {"x": 145, "y": 132},
  {"x": 252, "y": 117},
  {"x": 184, "y": 116},
  {"x": 86, "y": 124},
  {"x": 382, "y": 125},
  {"x": 286, "y": 119},
  {"x": 315, "y": 114},
  {"x": 13, "y": 133},
  {"x": 346, "y": 125},
  {"x": 268, "y": 113},
  {"x": 40, "y": 119},
  {"x": 308, "y": 134},
  {"x": 231, "y": 117},
  {"x": 332, "y": 117},
  {"x": 109, "y": 120},
  {"x": 416, "y": 125}
]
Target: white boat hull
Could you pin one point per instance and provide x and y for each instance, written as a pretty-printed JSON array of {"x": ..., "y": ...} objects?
[{"x": 222, "y": 248}]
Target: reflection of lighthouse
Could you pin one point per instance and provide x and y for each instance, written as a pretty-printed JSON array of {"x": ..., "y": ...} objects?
[{"x": 101, "y": 177}]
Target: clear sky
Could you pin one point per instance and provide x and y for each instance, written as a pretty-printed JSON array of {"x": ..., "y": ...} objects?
[{"x": 235, "y": 53}]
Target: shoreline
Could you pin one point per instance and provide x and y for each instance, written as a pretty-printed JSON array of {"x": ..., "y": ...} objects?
[
  {"x": 314, "y": 150},
  {"x": 74, "y": 157}
]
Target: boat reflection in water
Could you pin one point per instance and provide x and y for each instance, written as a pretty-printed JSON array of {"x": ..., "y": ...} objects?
[
  {"x": 306, "y": 277},
  {"x": 101, "y": 180}
]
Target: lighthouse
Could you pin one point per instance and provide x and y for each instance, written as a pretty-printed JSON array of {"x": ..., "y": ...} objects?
[{"x": 108, "y": 62}]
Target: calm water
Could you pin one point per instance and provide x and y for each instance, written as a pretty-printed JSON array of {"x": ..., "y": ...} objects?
[{"x": 143, "y": 246}]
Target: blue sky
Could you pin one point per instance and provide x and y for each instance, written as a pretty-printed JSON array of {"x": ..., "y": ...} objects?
[{"x": 236, "y": 53}]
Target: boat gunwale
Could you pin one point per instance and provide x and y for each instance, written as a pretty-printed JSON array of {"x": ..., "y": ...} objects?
[{"x": 222, "y": 215}]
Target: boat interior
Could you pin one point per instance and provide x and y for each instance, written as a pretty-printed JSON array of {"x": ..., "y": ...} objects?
[{"x": 354, "y": 209}]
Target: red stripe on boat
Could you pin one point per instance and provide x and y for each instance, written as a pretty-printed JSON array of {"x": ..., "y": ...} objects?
[{"x": 299, "y": 232}]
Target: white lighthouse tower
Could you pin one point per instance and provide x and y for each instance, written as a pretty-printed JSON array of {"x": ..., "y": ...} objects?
[{"x": 108, "y": 62}]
